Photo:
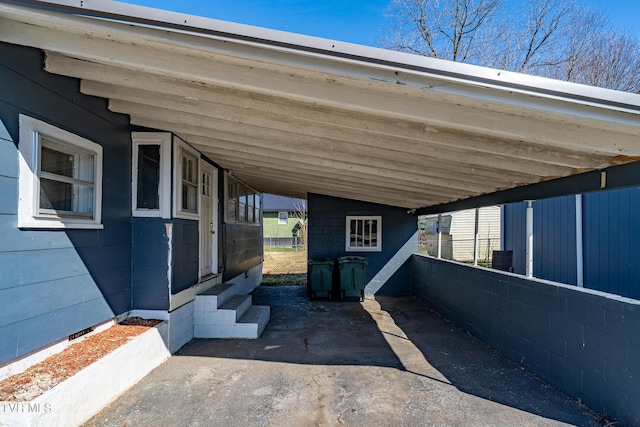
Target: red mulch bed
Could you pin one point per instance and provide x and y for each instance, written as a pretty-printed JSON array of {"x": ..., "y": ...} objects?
[{"x": 47, "y": 374}]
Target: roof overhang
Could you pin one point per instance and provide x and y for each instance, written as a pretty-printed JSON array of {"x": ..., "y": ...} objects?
[{"x": 292, "y": 115}]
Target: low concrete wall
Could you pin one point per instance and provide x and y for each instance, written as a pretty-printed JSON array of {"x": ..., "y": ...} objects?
[
  {"x": 586, "y": 343},
  {"x": 77, "y": 399}
]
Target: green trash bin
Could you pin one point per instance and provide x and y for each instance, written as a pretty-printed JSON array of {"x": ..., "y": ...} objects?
[
  {"x": 321, "y": 277},
  {"x": 353, "y": 276}
]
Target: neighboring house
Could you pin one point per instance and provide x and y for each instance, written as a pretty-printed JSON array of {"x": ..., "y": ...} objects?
[
  {"x": 458, "y": 234},
  {"x": 592, "y": 240},
  {"x": 284, "y": 220}
]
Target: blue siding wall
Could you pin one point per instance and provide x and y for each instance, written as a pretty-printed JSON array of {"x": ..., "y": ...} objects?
[
  {"x": 554, "y": 238},
  {"x": 54, "y": 283},
  {"x": 327, "y": 228},
  {"x": 186, "y": 250},
  {"x": 612, "y": 241},
  {"x": 514, "y": 231},
  {"x": 243, "y": 246},
  {"x": 150, "y": 264}
]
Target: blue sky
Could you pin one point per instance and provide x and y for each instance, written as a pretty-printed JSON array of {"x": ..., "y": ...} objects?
[{"x": 345, "y": 20}]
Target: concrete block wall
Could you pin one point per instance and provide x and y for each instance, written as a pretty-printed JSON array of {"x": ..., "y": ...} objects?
[
  {"x": 584, "y": 342},
  {"x": 326, "y": 238}
]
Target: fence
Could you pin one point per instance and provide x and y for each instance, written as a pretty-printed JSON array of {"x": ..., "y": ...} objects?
[{"x": 283, "y": 242}]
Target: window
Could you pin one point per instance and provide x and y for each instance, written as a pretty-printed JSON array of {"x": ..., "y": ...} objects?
[
  {"x": 364, "y": 233},
  {"x": 243, "y": 203},
  {"x": 60, "y": 180},
  {"x": 283, "y": 218},
  {"x": 256, "y": 209},
  {"x": 186, "y": 183},
  {"x": 151, "y": 174}
]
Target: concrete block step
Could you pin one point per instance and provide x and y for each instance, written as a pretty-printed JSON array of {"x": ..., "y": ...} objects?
[
  {"x": 214, "y": 297},
  {"x": 256, "y": 315},
  {"x": 239, "y": 304},
  {"x": 250, "y": 326}
]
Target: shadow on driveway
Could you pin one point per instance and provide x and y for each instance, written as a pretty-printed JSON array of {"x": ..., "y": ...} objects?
[{"x": 387, "y": 361}]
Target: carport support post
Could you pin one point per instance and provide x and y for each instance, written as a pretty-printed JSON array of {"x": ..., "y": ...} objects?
[
  {"x": 529, "y": 248},
  {"x": 579, "y": 243},
  {"x": 475, "y": 239},
  {"x": 439, "y": 250}
]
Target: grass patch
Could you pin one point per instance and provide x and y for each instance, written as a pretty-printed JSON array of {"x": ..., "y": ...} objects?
[
  {"x": 284, "y": 266},
  {"x": 284, "y": 279}
]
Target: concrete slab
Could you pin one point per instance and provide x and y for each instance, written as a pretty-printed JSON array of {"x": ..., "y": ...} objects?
[{"x": 386, "y": 361}]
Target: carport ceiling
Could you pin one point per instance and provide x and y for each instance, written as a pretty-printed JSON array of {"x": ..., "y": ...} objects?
[{"x": 291, "y": 115}]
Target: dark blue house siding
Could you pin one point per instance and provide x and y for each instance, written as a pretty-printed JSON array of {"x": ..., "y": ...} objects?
[
  {"x": 554, "y": 238},
  {"x": 150, "y": 264},
  {"x": 514, "y": 231},
  {"x": 327, "y": 228},
  {"x": 54, "y": 283},
  {"x": 243, "y": 247},
  {"x": 185, "y": 252},
  {"x": 612, "y": 241}
]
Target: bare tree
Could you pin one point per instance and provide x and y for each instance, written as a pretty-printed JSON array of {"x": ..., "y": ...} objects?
[
  {"x": 550, "y": 38},
  {"x": 300, "y": 214},
  {"x": 441, "y": 29}
]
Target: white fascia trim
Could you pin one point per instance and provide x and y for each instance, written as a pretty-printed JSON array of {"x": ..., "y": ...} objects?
[
  {"x": 178, "y": 147},
  {"x": 164, "y": 191},
  {"x": 29, "y": 183},
  {"x": 342, "y": 56}
]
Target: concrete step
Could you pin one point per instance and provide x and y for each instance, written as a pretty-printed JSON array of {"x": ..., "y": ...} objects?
[
  {"x": 227, "y": 314},
  {"x": 257, "y": 315},
  {"x": 214, "y": 297},
  {"x": 250, "y": 326},
  {"x": 238, "y": 304}
]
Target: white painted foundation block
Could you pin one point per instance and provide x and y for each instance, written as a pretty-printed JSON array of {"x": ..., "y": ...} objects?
[{"x": 80, "y": 397}]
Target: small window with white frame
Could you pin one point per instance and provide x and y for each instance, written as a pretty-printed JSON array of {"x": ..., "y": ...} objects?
[
  {"x": 151, "y": 167},
  {"x": 364, "y": 233},
  {"x": 187, "y": 161},
  {"x": 283, "y": 218},
  {"x": 60, "y": 181}
]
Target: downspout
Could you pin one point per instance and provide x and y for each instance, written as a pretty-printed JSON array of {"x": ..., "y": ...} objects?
[
  {"x": 439, "y": 250},
  {"x": 475, "y": 238},
  {"x": 529, "y": 240},
  {"x": 579, "y": 243},
  {"x": 502, "y": 227}
]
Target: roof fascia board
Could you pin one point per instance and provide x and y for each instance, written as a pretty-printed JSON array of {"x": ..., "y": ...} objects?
[
  {"x": 616, "y": 177},
  {"x": 346, "y": 52}
]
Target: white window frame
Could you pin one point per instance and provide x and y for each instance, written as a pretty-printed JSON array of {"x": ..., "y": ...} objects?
[
  {"x": 180, "y": 148},
  {"x": 286, "y": 220},
  {"x": 29, "y": 145},
  {"x": 162, "y": 139},
  {"x": 257, "y": 219},
  {"x": 349, "y": 248}
]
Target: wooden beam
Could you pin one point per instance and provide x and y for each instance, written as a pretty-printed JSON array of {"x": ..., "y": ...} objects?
[
  {"x": 296, "y": 116},
  {"x": 230, "y": 158},
  {"x": 412, "y": 102},
  {"x": 247, "y": 134}
]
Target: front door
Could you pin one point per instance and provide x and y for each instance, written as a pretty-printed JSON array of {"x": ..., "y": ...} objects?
[{"x": 208, "y": 220}]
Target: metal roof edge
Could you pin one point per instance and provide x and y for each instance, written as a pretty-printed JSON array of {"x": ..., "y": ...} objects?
[{"x": 375, "y": 57}]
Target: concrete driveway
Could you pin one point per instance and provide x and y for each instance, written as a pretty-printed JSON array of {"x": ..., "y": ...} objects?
[{"x": 387, "y": 361}]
